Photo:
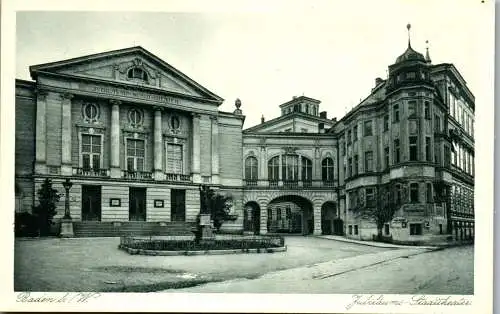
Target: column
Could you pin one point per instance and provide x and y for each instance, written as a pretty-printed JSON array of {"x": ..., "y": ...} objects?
[
  {"x": 158, "y": 147},
  {"x": 299, "y": 172},
  {"x": 317, "y": 218},
  {"x": 115, "y": 139},
  {"x": 195, "y": 169},
  {"x": 263, "y": 218},
  {"x": 215, "y": 150},
  {"x": 41, "y": 132},
  {"x": 66, "y": 164},
  {"x": 262, "y": 167},
  {"x": 280, "y": 170}
]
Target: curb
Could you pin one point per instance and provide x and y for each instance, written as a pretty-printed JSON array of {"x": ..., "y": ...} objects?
[
  {"x": 380, "y": 244},
  {"x": 132, "y": 251}
]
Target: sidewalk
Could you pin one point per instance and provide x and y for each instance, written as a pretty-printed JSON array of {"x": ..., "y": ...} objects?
[{"x": 373, "y": 243}]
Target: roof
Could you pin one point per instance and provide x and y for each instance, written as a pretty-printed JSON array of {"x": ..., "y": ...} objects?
[
  {"x": 410, "y": 55},
  {"x": 299, "y": 98},
  {"x": 286, "y": 117},
  {"x": 52, "y": 66}
]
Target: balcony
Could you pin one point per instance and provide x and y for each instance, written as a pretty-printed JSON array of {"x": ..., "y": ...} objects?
[
  {"x": 137, "y": 175},
  {"x": 291, "y": 184},
  {"x": 251, "y": 182},
  {"x": 288, "y": 184},
  {"x": 89, "y": 172},
  {"x": 177, "y": 177}
]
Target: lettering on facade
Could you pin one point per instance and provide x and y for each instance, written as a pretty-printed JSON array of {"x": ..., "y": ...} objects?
[{"x": 129, "y": 92}]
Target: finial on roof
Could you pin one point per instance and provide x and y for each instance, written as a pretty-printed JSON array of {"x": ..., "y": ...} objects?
[
  {"x": 408, "y": 27},
  {"x": 427, "y": 56},
  {"x": 262, "y": 119},
  {"x": 237, "y": 104}
]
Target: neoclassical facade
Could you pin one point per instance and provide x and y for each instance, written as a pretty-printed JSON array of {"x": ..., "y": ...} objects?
[{"x": 137, "y": 138}]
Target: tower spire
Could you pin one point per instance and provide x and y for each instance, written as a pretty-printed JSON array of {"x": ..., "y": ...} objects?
[
  {"x": 408, "y": 27},
  {"x": 427, "y": 56}
]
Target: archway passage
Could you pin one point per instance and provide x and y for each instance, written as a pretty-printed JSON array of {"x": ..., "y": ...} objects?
[
  {"x": 290, "y": 214},
  {"x": 330, "y": 221},
  {"x": 251, "y": 220}
]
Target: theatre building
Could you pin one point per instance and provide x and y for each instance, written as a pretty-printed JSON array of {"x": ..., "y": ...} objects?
[{"x": 137, "y": 138}]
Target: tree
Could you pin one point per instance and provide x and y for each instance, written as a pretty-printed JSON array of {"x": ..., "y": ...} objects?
[
  {"x": 219, "y": 206},
  {"x": 46, "y": 209},
  {"x": 387, "y": 200}
]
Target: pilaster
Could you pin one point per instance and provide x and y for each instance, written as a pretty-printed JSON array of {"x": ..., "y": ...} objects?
[
  {"x": 195, "y": 169},
  {"x": 41, "y": 132},
  {"x": 115, "y": 171},
  {"x": 158, "y": 147},
  {"x": 66, "y": 162},
  {"x": 317, "y": 218},
  {"x": 263, "y": 218},
  {"x": 215, "y": 150}
]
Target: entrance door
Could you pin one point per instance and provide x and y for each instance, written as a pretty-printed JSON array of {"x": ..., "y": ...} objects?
[
  {"x": 178, "y": 205},
  {"x": 338, "y": 227},
  {"x": 137, "y": 204},
  {"x": 91, "y": 203}
]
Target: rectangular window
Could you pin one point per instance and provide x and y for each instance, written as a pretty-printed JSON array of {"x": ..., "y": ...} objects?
[
  {"x": 413, "y": 148},
  {"x": 429, "y": 193},
  {"x": 415, "y": 229},
  {"x": 428, "y": 148},
  {"x": 350, "y": 166},
  {"x": 344, "y": 149},
  {"x": 412, "y": 108},
  {"x": 368, "y": 128},
  {"x": 368, "y": 161},
  {"x": 414, "y": 192},
  {"x": 396, "y": 151},
  {"x": 386, "y": 122},
  {"x": 349, "y": 137},
  {"x": 91, "y": 151},
  {"x": 410, "y": 75},
  {"x": 355, "y": 133},
  {"x": 356, "y": 161},
  {"x": 175, "y": 158},
  {"x": 386, "y": 156},
  {"x": 452, "y": 106},
  {"x": 386, "y": 229},
  {"x": 395, "y": 113},
  {"x": 355, "y": 229},
  {"x": 135, "y": 155},
  {"x": 437, "y": 123},
  {"x": 350, "y": 229},
  {"x": 370, "y": 197},
  {"x": 427, "y": 110}
]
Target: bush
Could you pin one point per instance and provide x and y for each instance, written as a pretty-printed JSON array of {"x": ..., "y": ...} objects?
[{"x": 26, "y": 225}]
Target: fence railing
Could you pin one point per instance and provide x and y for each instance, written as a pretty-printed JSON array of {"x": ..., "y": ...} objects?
[{"x": 289, "y": 184}]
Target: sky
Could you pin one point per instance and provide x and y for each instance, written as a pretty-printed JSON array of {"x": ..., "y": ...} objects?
[{"x": 326, "y": 50}]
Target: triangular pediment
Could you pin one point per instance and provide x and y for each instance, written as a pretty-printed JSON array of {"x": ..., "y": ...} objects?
[{"x": 134, "y": 66}]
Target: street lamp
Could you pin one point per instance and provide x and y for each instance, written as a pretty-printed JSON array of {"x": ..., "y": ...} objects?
[{"x": 67, "y": 185}]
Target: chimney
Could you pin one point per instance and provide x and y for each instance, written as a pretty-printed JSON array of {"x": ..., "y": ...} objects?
[
  {"x": 334, "y": 120},
  {"x": 321, "y": 127},
  {"x": 322, "y": 114},
  {"x": 378, "y": 80}
]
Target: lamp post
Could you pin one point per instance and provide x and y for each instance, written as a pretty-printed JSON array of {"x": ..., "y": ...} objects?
[
  {"x": 66, "y": 222},
  {"x": 67, "y": 185}
]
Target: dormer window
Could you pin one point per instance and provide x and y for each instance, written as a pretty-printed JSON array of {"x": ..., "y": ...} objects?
[{"x": 137, "y": 73}]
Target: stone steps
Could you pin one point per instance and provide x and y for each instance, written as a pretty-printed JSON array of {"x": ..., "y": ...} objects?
[{"x": 114, "y": 229}]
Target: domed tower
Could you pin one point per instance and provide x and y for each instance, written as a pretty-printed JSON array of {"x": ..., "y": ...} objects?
[{"x": 410, "y": 68}]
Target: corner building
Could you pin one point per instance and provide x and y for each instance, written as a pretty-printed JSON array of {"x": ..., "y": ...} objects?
[{"x": 137, "y": 138}]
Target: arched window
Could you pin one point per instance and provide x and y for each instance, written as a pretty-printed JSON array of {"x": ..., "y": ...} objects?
[
  {"x": 306, "y": 169},
  {"x": 137, "y": 73},
  {"x": 251, "y": 168},
  {"x": 290, "y": 164},
  {"x": 327, "y": 169},
  {"x": 273, "y": 168}
]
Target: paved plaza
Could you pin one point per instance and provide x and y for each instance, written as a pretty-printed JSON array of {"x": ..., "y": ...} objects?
[{"x": 320, "y": 265}]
